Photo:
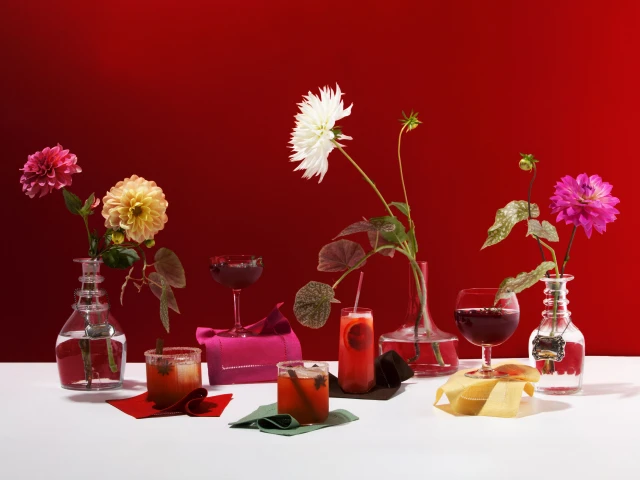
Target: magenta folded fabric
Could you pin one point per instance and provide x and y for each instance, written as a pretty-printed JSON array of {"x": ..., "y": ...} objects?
[{"x": 250, "y": 359}]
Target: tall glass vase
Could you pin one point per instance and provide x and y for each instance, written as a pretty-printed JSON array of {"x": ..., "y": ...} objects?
[
  {"x": 557, "y": 346},
  {"x": 91, "y": 349},
  {"x": 429, "y": 351}
]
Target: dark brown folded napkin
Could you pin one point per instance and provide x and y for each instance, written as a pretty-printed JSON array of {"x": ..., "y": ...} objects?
[{"x": 391, "y": 370}]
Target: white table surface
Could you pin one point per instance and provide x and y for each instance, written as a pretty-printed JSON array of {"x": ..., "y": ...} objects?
[{"x": 50, "y": 433}]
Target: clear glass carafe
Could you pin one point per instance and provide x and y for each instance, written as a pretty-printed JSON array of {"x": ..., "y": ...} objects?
[
  {"x": 429, "y": 351},
  {"x": 565, "y": 376},
  {"x": 91, "y": 348}
]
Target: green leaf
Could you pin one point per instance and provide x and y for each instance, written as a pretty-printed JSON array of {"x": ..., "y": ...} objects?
[
  {"x": 506, "y": 218},
  {"x": 120, "y": 257},
  {"x": 340, "y": 255},
  {"x": 164, "y": 309},
  {"x": 391, "y": 229},
  {"x": 168, "y": 265},
  {"x": 376, "y": 240},
  {"x": 86, "y": 208},
  {"x": 72, "y": 201},
  {"x": 157, "y": 291},
  {"x": 312, "y": 305},
  {"x": 361, "y": 226},
  {"x": 543, "y": 230},
  {"x": 403, "y": 207},
  {"x": 523, "y": 281}
]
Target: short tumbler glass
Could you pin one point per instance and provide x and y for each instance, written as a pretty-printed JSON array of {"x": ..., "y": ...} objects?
[
  {"x": 303, "y": 390},
  {"x": 172, "y": 374}
]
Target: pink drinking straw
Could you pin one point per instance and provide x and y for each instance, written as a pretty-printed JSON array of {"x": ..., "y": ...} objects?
[{"x": 355, "y": 305}]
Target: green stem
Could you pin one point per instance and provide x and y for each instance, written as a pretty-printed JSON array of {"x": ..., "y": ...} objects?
[
  {"x": 85, "y": 352},
  {"x": 365, "y": 176},
  {"x": 566, "y": 255},
  {"x": 404, "y": 188},
  {"x": 533, "y": 179},
  {"x": 86, "y": 226},
  {"x": 555, "y": 294},
  {"x": 370, "y": 182},
  {"x": 362, "y": 260},
  {"x": 112, "y": 361},
  {"x": 421, "y": 285}
]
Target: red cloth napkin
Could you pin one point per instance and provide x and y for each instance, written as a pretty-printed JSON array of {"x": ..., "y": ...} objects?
[{"x": 194, "y": 404}]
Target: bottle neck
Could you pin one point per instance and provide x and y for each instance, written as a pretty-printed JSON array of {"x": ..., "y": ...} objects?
[
  {"x": 91, "y": 301},
  {"x": 555, "y": 311},
  {"x": 417, "y": 283}
]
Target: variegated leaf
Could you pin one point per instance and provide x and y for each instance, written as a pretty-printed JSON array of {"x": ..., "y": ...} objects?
[
  {"x": 514, "y": 212},
  {"x": 523, "y": 280},
  {"x": 543, "y": 230},
  {"x": 312, "y": 305}
]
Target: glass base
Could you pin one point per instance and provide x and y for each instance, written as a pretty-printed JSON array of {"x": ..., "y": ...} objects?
[
  {"x": 486, "y": 374},
  {"x": 431, "y": 354},
  {"x": 95, "y": 386},
  {"x": 237, "y": 333},
  {"x": 558, "y": 390}
]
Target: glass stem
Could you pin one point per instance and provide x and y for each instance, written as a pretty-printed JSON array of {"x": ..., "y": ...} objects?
[
  {"x": 486, "y": 358},
  {"x": 236, "y": 308}
]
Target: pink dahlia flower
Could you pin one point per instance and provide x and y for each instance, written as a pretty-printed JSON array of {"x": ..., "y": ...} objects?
[
  {"x": 48, "y": 170},
  {"x": 585, "y": 202}
]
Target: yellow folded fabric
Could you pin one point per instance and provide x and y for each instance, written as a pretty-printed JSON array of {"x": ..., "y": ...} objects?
[{"x": 492, "y": 398}]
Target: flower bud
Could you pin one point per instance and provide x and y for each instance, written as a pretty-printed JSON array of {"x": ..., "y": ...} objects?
[
  {"x": 527, "y": 162},
  {"x": 149, "y": 243},
  {"x": 117, "y": 238}
]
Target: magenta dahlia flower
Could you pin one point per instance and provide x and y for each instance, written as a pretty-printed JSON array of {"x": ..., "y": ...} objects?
[
  {"x": 48, "y": 170},
  {"x": 584, "y": 202}
]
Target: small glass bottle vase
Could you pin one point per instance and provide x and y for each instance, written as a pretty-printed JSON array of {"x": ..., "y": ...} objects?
[
  {"x": 91, "y": 349},
  {"x": 429, "y": 351},
  {"x": 557, "y": 338}
]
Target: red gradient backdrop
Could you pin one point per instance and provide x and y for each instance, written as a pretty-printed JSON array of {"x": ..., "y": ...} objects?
[{"x": 200, "y": 96}]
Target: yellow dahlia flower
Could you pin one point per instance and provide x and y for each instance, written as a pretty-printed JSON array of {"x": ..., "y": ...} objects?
[{"x": 137, "y": 206}]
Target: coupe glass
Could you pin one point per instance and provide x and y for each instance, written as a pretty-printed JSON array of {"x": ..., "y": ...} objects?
[
  {"x": 236, "y": 272},
  {"x": 486, "y": 323}
]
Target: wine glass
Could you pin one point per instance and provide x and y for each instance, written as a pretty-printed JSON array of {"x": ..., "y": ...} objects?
[
  {"x": 236, "y": 272},
  {"x": 486, "y": 323}
]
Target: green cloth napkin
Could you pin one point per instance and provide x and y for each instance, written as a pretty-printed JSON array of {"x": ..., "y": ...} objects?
[{"x": 267, "y": 419}]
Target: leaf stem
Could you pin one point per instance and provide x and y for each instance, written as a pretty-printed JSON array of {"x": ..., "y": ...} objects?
[
  {"x": 533, "y": 179},
  {"x": 421, "y": 285},
  {"x": 112, "y": 361},
  {"x": 365, "y": 176},
  {"x": 360, "y": 262},
  {"x": 566, "y": 255},
  {"x": 555, "y": 294},
  {"x": 370, "y": 182},
  {"x": 404, "y": 188}
]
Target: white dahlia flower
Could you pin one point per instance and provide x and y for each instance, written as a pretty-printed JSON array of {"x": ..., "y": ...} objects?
[{"x": 315, "y": 130}]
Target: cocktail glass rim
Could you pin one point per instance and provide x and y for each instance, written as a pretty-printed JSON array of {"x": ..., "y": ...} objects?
[
  {"x": 185, "y": 353},
  {"x": 301, "y": 364}
]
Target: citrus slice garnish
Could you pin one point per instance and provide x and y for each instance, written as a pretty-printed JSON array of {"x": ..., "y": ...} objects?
[{"x": 359, "y": 335}]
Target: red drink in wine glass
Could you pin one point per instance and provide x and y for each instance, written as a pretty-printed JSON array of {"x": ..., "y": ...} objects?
[
  {"x": 486, "y": 322},
  {"x": 236, "y": 272}
]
